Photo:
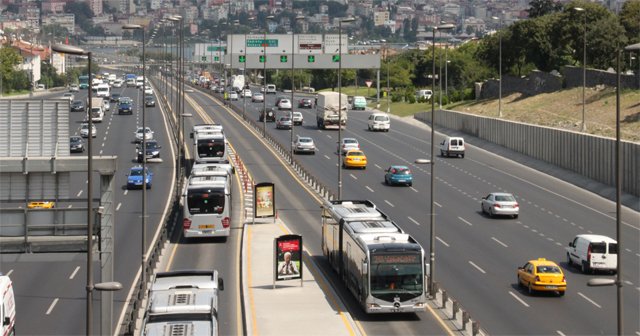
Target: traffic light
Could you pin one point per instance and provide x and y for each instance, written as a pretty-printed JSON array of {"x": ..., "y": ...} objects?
[
  {"x": 242, "y": 58},
  {"x": 216, "y": 58},
  {"x": 263, "y": 59},
  {"x": 283, "y": 59},
  {"x": 335, "y": 58},
  {"x": 311, "y": 58}
]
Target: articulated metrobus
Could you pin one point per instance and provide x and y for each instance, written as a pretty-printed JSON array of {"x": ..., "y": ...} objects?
[
  {"x": 382, "y": 266},
  {"x": 83, "y": 82},
  {"x": 209, "y": 144},
  {"x": 207, "y": 201}
]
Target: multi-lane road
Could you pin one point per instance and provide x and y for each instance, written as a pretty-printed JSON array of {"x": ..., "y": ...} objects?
[{"x": 476, "y": 256}]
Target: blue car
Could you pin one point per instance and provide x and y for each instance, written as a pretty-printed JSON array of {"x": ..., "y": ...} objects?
[
  {"x": 134, "y": 178},
  {"x": 398, "y": 175}
]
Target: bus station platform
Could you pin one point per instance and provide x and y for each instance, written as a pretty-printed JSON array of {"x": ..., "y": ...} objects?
[{"x": 293, "y": 307}]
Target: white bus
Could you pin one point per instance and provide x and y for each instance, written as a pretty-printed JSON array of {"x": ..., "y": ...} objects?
[
  {"x": 382, "y": 266},
  {"x": 207, "y": 201},
  {"x": 101, "y": 90},
  {"x": 209, "y": 144}
]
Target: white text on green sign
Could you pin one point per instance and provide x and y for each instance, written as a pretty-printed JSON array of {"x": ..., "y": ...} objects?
[{"x": 262, "y": 43}]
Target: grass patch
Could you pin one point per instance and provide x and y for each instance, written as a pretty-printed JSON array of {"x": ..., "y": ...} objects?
[{"x": 15, "y": 93}]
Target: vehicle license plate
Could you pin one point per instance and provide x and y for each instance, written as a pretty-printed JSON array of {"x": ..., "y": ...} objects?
[
  {"x": 207, "y": 226},
  {"x": 550, "y": 287}
]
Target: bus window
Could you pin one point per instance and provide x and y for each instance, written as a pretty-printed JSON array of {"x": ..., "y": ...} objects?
[
  {"x": 210, "y": 148},
  {"x": 206, "y": 201}
]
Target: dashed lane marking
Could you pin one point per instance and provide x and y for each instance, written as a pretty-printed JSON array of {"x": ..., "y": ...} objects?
[
  {"x": 588, "y": 299},
  {"x": 328, "y": 158},
  {"x": 519, "y": 299},
  {"x": 560, "y": 333},
  {"x": 353, "y": 176},
  {"x": 437, "y": 204},
  {"x": 79, "y": 193},
  {"x": 126, "y": 192},
  {"x": 414, "y": 221},
  {"x": 377, "y": 166},
  {"x": 391, "y": 205},
  {"x": 73, "y": 274},
  {"x": 53, "y": 304},
  {"x": 118, "y": 206},
  {"x": 499, "y": 242},
  {"x": 442, "y": 241},
  {"x": 371, "y": 190},
  {"x": 464, "y": 221},
  {"x": 477, "y": 267},
  {"x": 414, "y": 189},
  {"x": 9, "y": 273}
]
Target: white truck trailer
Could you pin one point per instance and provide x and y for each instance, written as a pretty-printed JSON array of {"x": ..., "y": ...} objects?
[{"x": 328, "y": 113}]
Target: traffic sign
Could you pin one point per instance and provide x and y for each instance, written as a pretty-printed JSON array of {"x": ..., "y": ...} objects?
[
  {"x": 311, "y": 58},
  {"x": 335, "y": 58},
  {"x": 283, "y": 59},
  {"x": 263, "y": 58},
  {"x": 204, "y": 58},
  {"x": 368, "y": 82},
  {"x": 242, "y": 58},
  {"x": 262, "y": 43},
  {"x": 216, "y": 58}
]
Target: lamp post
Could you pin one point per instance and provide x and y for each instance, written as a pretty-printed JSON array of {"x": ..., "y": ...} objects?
[
  {"x": 179, "y": 90},
  {"x": 446, "y": 75},
  {"x": 264, "y": 79},
  {"x": 293, "y": 55},
  {"x": 346, "y": 20},
  {"x": 67, "y": 49},
  {"x": 584, "y": 66},
  {"x": 143, "y": 274},
  {"x": 499, "y": 67},
  {"x": 618, "y": 282},
  {"x": 432, "y": 215},
  {"x": 388, "y": 81}
]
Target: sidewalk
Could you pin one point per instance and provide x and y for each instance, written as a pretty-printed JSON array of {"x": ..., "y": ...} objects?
[{"x": 289, "y": 309}]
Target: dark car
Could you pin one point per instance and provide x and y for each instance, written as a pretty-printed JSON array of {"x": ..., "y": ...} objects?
[
  {"x": 115, "y": 97},
  {"x": 149, "y": 101},
  {"x": 77, "y": 106},
  {"x": 305, "y": 103},
  {"x": 76, "y": 144},
  {"x": 153, "y": 150},
  {"x": 125, "y": 106},
  {"x": 270, "y": 113}
]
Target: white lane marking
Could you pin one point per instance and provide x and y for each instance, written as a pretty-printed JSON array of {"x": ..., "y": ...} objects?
[
  {"x": 353, "y": 176},
  {"x": 118, "y": 206},
  {"x": 588, "y": 299},
  {"x": 442, "y": 241},
  {"x": 560, "y": 333},
  {"x": 558, "y": 243},
  {"x": 70, "y": 205},
  {"x": 79, "y": 193},
  {"x": 53, "y": 304},
  {"x": 104, "y": 139},
  {"x": 393, "y": 206},
  {"x": 628, "y": 282},
  {"x": 9, "y": 273},
  {"x": 499, "y": 242},
  {"x": 328, "y": 158},
  {"x": 477, "y": 267},
  {"x": 638, "y": 333},
  {"x": 519, "y": 299},
  {"x": 73, "y": 274},
  {"x": 638, "y": 254},
  {"x": 101, "y": 152},
  {"x": 463, "y": 220},
  {"x": 414, "y": 221},
  {"x": 126, "y": 192},
  {"x": 371, "y": 190},
  {"x": 414, "y": 189},
  {"x": 628, "y": 250},
  {"x": 328, "y": 136},
  {"x": 437, "y": 204},
  {"x": 377, "y": 166}
]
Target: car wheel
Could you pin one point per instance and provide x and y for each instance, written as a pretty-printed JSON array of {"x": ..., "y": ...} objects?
[
  {"x": 410, "y": 184},
  {"x": 490, "y": 212},
  {"x": 463, "y": 156},
  {"x": 386, "y": 181},
  {"x": 584, "y": 267},
  {"x": 518, "y": 282},
  {"x": 569, "y": 261},
  {"x": 482, "y": 208},
  {"x": 515, "y": 216},
  {"x": 530, "y": 289},
  {"x": 149, "y": 186},
  {"x": 561, "y": 293}
]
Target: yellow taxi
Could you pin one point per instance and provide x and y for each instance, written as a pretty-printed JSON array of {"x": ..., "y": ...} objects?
[
  {"x": 542, "y": 275},
  {"x": 41, "y": 205},
  {"x": 354, "y": 158}
]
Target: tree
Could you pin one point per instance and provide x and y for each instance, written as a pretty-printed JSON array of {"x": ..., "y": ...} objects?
[
  {"x": 543, "y": 7},
  {"x": 629, "y": 18},
  {"x": 12, "y": 79}
]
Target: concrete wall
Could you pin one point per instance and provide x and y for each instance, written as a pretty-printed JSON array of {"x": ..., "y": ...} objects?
[{"x": 588, "y": 155}]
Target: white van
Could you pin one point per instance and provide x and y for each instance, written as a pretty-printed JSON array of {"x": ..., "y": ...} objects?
[
  {"x": 8, "y": 307},
  {"x": 379, "y": 122},
  {"x": 593, "y": 253},
  {"x": 359, "y": 103},
  {"x": 271, "y": 89},
  {"x": 452, "y": 146},
  {"x": 424, "y": 94}
]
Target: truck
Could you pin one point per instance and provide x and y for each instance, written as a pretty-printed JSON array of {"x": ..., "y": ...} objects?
[
  {"x": 131, "y": 80},
  {"x": 184, "y": 300},
  {"x": 328, "y": 113},
  {"x": 7, "y": 306},
  {"x": 97, "y": 109},
  {"x": 237, "y": 83}
]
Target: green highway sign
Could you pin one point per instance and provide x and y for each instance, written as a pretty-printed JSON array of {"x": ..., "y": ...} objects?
[
  {"x": 216, "y": 58},
  {"x": 263, "y": 58},
  {"x": 242, "y": 59},
  {"x": 311, "y": 58},
  {"x": 215, "y": 48},
  {"x": 262, "y": 43},
  {"x": 335, "y": 58},
  {"x": 283, "y": 59}
]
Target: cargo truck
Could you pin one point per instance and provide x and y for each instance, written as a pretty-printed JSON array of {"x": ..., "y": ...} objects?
[
  {"x": 328, "y": 113},
  {"x": 97, "y": 109}
]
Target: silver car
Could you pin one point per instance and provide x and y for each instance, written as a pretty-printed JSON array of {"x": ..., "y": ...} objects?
[
  {"x": 84, "y": 130},
  {"x": 499, "y": 203},
  {"x": 283, "y": 123},
  {"x": 304, "y": 145},
  {"x": 347, "y": 144},
  {"x": 147, "y": 133}
]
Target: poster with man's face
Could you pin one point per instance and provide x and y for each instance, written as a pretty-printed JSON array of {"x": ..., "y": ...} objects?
[
  {"x": 288, "y": 257},
  {"x": 264, "y": 200}
]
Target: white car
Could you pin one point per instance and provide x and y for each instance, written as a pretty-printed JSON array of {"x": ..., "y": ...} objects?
[
  {"x": 297, "y": 118},
  {"x": 69, "y": 96},
  {"x": 257, "y": 97},
  {"x": 246, "y": 93},
  {"x": 84, "y": 130},
  {"x": 348, "y": 144},
  {"x": 284, "y": 104},
  {"x": 233, "y": 95},
  {"x": 147, "y": 133},
  {"x": 500, "y": 203},
  {"x": 118, "y": 83},
  {"x": 74, "y": 88},
  {"x": 304, "y": 145},
  {"x": 148, "y": 90}
]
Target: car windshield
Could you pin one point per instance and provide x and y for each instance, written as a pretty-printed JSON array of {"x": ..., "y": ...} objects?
[
  {"x": 151, "y": 145},
  {"x": 505, "y": 198},
  {"x": 136, "y": 172},
  {"x": 355, "y": 153},
  {"x": 350, "y": 141},
  {"x": 75, "y": 140},
  {"x": 548, "y": 269},
  {"x": 305, "y": 140},
  {"x": 381, "y": 118},
  {"x": 206, "y": 200},
  {"x": 285, "y": 119},
  {"x": 146, "y": 130},
  {"x": 400, "y": 170}
]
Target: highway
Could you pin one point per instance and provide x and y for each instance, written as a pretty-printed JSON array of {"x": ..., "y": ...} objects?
[
  {"x": 50, "y": 288},
  {"x": 477, "y": 256}
]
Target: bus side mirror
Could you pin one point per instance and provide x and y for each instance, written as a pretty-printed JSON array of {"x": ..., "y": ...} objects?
[
  {"x": 191, "y": 135},
  {"x": 220, "y": 284},
  {"x": 365, "y": 267}
]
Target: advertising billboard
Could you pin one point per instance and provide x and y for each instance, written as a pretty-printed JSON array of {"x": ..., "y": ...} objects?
[
  {"x": 288, "y": 257},
  {"x": 264, "y": 200}
]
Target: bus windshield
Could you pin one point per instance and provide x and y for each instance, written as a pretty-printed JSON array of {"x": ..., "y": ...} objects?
[
  {"x": 211, "y": 148},
  {"x": 206, "y": 200},
  {"x": 396, "y": 275}
]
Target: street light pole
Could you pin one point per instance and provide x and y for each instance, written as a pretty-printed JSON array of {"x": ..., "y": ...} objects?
[
  {"x": 143, "y": 273},
  {"x": 264, "y": 79},
  {"x": 67, "y": 49},
  {"x": 350, "y": 19},
  {"x": 499, "y": 66},
  {"x": 584, "y": 66},
  {"x": 293, "y": 55},
  {"x": 388, "y": 81}
]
